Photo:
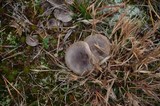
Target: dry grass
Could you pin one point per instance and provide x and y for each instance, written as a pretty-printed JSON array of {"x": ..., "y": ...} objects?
[{"x": 30, "y": 76}]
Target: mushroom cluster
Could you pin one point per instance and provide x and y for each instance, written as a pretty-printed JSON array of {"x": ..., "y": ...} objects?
[
  {"x": 58, "y": 12},
  {"x": 82, "y": 56}
]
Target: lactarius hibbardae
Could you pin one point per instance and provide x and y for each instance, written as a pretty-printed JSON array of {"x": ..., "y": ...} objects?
[
  {"x": 79, "y": 58},
  {"x": 99, "y": 45}
]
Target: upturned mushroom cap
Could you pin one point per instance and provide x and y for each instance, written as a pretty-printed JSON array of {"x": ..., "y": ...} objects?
[
  {"x": 79, "y": 58},
  {"x": 100, "y": 45}
]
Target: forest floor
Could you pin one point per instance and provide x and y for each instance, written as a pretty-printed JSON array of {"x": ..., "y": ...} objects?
[{"x": 34, "y": 36}]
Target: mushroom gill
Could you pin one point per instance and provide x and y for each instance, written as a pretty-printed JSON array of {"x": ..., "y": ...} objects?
[
  {"x": 79, "y": 58},
  {"x": 99, "y": 45}
]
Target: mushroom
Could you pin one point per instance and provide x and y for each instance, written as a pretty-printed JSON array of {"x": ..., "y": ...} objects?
[
  {"x": 62, "y": 15},
  {"x": 79, "y": 58},
  {"x": 32, "y": 40},
  {"x": 99, "y": 45},
  {"x": 51, "y": 23}
]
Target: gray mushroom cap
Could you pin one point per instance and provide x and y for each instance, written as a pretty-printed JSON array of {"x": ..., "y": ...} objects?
[
  {"x": 62, "y": 15},
  {"x": 51, "y": 23},
  {"x": 100, "y": 46},
  {"x": 79, "y": 58},
  {"x": 32, "y": 40}
]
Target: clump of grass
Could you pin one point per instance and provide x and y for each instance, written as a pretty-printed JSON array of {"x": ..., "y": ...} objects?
[
  {"x": 38, "y": 75},
  {"x": 80, "y": 9},
  {"x": 132, "y": 55}
]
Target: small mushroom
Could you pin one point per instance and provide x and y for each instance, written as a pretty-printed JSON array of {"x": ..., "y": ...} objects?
[
  {"x": 79, "y": 58},
  {"x": 63, "y": 15},
  {"x": 32, "y": 40},
  {"x": 100, "y": 46},
  {"x": 51, "y": 23},
  {"x": 45, "y": 5}
]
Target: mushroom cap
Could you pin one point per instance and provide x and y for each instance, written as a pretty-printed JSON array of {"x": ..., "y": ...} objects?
[
  {"x": 79, "y": 58},
  {"x": 32, "y": 40},
  {"x": 62, "y": 15},
  {"x": 51, "y": 23},
  {"x": 99, "y": 45}
]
